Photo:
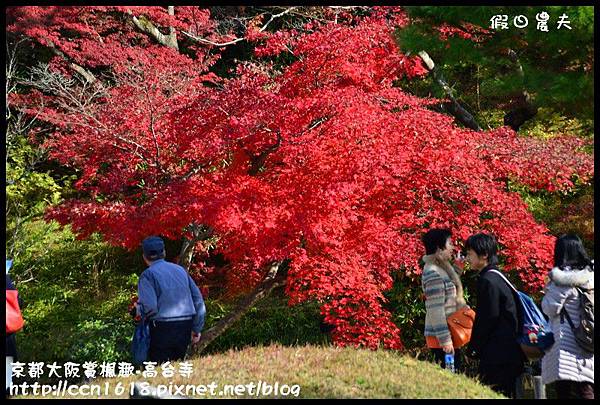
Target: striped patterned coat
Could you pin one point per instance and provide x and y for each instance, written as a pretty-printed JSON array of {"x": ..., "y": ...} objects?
[
  {"x": 566, "y": 360},
  {"x": 440, "y": 300}
]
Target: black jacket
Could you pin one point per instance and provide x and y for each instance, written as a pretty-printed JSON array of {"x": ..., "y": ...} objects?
[{"x": 497, "y": 320}]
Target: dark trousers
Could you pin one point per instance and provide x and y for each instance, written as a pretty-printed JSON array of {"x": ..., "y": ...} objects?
[
  {"x": 169, "y": 340},
  {"x": 501, "y": 378},
  {"x": 574, "y": 390},
  {"x": 440, "y": 358}
]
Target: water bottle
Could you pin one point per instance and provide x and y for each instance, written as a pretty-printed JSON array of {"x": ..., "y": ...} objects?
[{"x": 450, "y": 362}]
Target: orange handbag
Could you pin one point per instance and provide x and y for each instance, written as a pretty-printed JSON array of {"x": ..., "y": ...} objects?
[
  {"x": 460, "y": 324},
  {"x": 14, "y": 319}
]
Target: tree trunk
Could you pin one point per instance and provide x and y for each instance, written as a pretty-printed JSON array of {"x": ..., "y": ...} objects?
[
  {"x": 199, "y": 232},
  {"x": 523, "y": 108},
  {"x": 263, "y": 290},
  {"x": 172, "y": 33},
  {"x": 148, "y": 27},
  {"x": 454, "y": 107}
]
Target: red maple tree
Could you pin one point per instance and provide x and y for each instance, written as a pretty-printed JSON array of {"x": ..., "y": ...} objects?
[{"x": 323, "y": 164}]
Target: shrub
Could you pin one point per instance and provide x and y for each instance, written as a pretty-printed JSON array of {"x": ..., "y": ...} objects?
[{"x": 270, "y": 321}]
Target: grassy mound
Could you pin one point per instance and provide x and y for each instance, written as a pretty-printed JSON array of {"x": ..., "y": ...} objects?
[{"x": 319, "y": 372}]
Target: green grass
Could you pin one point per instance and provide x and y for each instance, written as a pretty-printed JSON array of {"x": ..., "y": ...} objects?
[{"x": 320, "y": 372}]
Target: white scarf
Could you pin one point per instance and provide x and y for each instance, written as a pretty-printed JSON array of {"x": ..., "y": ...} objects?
[{"x": 573, "y": 277}]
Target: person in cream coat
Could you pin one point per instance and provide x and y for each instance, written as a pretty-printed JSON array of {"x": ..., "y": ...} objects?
[{"x": 567, "y": 365}]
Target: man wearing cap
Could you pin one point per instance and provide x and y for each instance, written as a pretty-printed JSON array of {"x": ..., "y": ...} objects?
[{"x": 171, "y": 300}]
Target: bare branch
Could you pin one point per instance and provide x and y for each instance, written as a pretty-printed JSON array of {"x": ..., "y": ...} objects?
[
  {"x": 76, "y": 103},
  {"x": 18, "y": 123},
  {"x": 154, "y": 137},
  {"x": 206, "y": 41},
  {"x": 349, "y": 7},
  {"x": 236, "y": 40},
  {"x": 264, "y": 27},
  {"x": 56, "y": 84}
]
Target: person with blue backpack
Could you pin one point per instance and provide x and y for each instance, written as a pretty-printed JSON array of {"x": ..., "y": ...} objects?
[
  {"x": 498, "y": 319},
  {"x": 569, "y": 303}
]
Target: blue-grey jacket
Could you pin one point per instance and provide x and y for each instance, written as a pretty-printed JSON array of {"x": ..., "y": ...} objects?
[{"x": 167, "y": 293}]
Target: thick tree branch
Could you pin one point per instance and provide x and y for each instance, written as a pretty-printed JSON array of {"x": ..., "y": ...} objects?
[
  {"x": 86, "y": 74},
  {"x": 199, "y": 233},
  {"x": 523, "y": 108},
  {"x": 269, "y": 283},
  {"x": 146, "y": 26},
  {"x": 274, "y": 16},
  {"x": 458, "y": 111},
  {"x": 172, "y": 31},
  {"x": 207, "y": 42}
]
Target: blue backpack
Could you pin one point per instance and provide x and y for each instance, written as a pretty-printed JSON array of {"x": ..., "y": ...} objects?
[
  {"x": 140, "y": 344},
  {"x": 535, "y": 337}
]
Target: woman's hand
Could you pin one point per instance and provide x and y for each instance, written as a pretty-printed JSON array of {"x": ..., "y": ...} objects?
[
  {"x": 448, "y": 349},
  {"x": 459, "y": 261}
]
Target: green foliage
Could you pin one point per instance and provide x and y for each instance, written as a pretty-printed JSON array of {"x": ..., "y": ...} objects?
[
  {"x": 548, "y": 123},
  {"x": 490, "y": 118},
  {"x": 557, "y": 65},
  {"x": 407, "y": 304},
  {"x": 75, "y": 296},
  {"x": 270, "y": 321},
  {"x": 28, "y": 190},
  {"x": 572, "y": 212},
  {"x": 64, "y": 325},
  {"x": 106, "y": 339},
  {"x": 51, "y": 254}
]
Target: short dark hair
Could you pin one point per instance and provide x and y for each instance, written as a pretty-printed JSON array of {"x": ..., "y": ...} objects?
[
  {"x": 434, "y": 239},
  {"x": 483, "y": 244},
  {"x": 569, "y": 252}
]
